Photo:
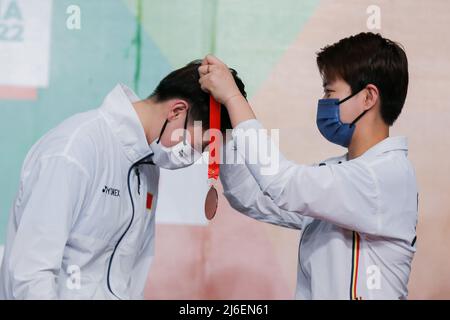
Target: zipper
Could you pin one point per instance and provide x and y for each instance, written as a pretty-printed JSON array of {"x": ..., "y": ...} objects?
[
  {"x": 136, "y": 167},
  {"x": 138, "y": 175}
]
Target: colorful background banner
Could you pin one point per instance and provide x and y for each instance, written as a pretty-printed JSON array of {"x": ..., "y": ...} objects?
[{"x": 272, "y": 44}]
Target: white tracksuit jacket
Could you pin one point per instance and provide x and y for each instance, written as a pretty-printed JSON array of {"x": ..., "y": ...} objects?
[
  {"x": 358, "y": 217},
  {"x": 79, "y": 228}
]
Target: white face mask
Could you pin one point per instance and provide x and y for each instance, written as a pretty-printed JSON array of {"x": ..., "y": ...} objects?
[{"x": 179, "y": 156}]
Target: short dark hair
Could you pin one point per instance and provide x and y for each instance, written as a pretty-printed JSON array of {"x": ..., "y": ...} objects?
[
  {"x": 184, "y": 84},
  {"x": 368, "y": 58}
]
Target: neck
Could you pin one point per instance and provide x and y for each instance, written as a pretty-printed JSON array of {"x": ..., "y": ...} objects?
[
  {"x": 150, "y": 118},
  {"x": 365, "y": 137}
]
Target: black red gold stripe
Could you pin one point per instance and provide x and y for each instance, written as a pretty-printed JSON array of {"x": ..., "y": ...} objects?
[{"x": 355, "y": 265}]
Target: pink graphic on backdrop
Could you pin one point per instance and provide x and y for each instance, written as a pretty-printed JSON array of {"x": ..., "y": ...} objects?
[{"x": 18, "y": 93}]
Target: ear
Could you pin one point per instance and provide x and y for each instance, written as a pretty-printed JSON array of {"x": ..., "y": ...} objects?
[
  {"x": 177, "y": 109},
  {"x": 372, "y": 96}
]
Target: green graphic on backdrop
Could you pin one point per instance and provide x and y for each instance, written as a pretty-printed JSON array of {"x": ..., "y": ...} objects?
[
  {"x": 137, "y": 42},
  {"x": 85, "y": 65},
  {"x": 249, "y": 35}
]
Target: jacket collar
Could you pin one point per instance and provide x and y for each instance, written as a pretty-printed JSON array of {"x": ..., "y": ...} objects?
[
  {"x": 123, "y": 120},
  {"x": 389, "y": 144}
]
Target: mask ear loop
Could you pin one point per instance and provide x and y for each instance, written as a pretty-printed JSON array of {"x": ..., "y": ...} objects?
[
  {"x": 162, "y": 131},
  {"x": 359, "y": 117},
  {"x": 348, "y": 98},
  {"x": 185, "y": 126},
  {"x": 351, "y": 96},
  {"x": 184, "y": 132}
]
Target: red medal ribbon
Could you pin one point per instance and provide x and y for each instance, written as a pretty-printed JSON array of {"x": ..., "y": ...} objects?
[{"x": 214, "y": 146}]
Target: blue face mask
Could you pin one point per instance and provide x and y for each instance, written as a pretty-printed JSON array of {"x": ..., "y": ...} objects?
[{"x": 330, "y": 124}]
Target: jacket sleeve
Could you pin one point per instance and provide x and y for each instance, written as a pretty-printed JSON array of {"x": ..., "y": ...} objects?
[
  {"x": 346, "y": 195},
  {"x": 53, "y": 196},
  {"x": 245, "y": 196}
]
